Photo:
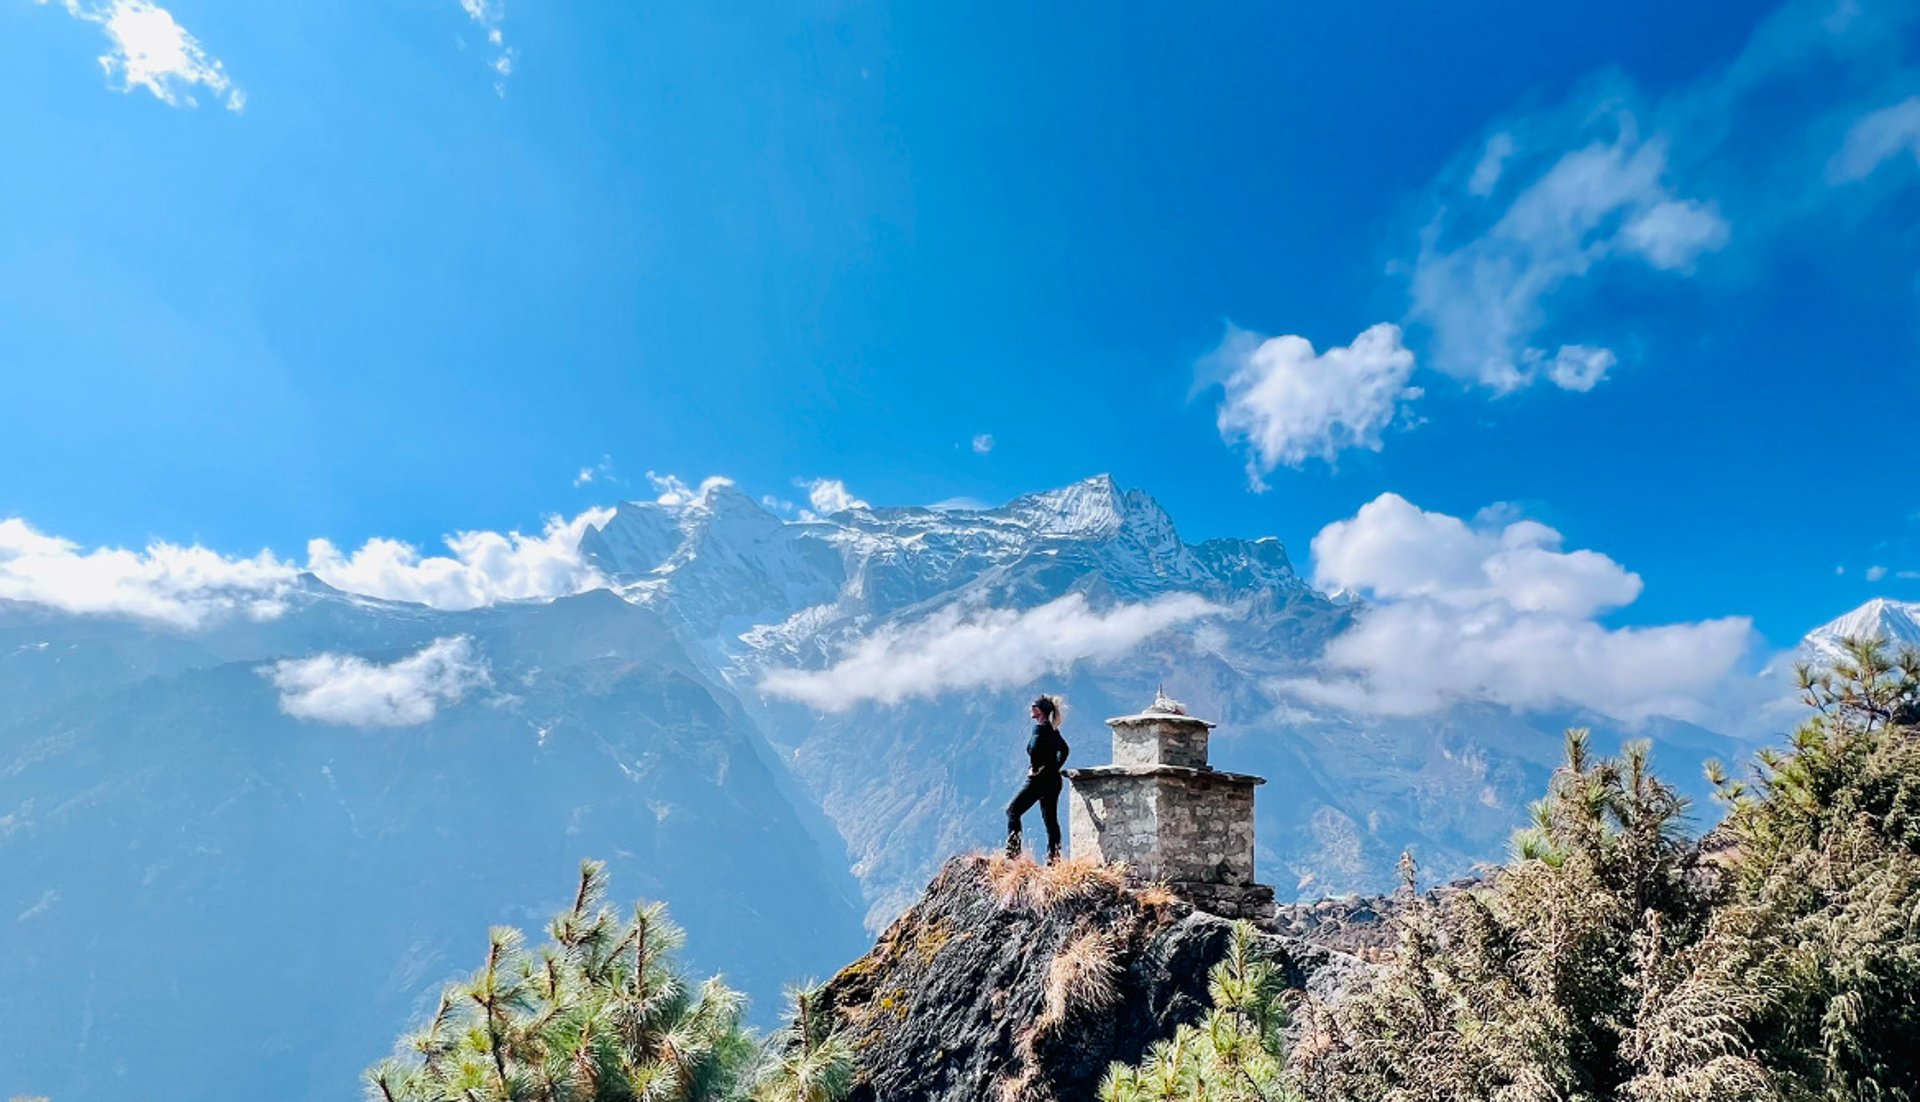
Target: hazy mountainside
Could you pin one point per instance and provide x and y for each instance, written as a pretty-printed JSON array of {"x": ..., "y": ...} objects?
[
  {"x": 160, "y": 809},
  {"x": 209, "y": 898},
  {"x": 908, "y": 783}
]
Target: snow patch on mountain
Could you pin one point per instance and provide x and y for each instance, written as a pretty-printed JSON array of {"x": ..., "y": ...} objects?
[{"x": 1894, "y": 622}]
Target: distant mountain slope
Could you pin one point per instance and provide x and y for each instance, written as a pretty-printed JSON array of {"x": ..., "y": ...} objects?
[
  {"x": 174, "y": 838},
  {"x": 209, "y": 898},
  {"x": 908, "y": 783}
]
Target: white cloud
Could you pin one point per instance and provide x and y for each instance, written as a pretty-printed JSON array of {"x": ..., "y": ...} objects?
[
  {"x": 1876, "y": 138},
  {"x": 1393, "y": 550},
  {"x": 829, "y": 495},
  {"x": 148, "y": 49},
  {"x": 1484, "y": 275},
  {"x": 1875, "y": 573},
  {"x": 192, "y": 587},
  {"x": 983, "y": 443},
  {"x": 1500, "y": 613},
  {"x": 1526, "y": 232},
  {"x": 485, "y": 567},
  {"x": 491, "y": 17},
  {"x": 1493, "y": 160},
  {"x": 1575, "y": 366},
  {"x": 1288, "y": 404},
  {"x": 1671, "y": 235},
  {"x": 350, "y": 691},
  {"x": 598, "y": 472},
  {"x": 959, "y": 648},
  {"x": 671, "y": 489},
  {"x": 179, "y": 586}
]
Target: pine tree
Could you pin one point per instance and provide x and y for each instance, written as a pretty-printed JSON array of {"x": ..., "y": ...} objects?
[
  {"x": 1614, "y": 960},
  {"x": 1827, "y": 860},
  {"x": 807, "y": 1061},
  {"x": 1561, "y": 979},
  {"x": 1235, "y": 1054},
  {"x": 601, "y": 1013}
]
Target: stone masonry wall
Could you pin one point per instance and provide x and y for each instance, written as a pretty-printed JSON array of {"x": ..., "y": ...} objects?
[
  {"x": 1173, "y": 825},
  {"x": 1205, "y": 829},
  {"x": 1114, "y": 820},
  {"x": 1160, "y": 742}
]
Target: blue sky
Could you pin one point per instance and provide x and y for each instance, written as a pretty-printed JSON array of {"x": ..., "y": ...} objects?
[{"x": 1653, "y": 270}]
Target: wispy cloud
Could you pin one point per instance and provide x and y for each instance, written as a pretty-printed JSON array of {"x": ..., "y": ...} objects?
[
  {"x": 671, "y": 489},
  {"x": 149, "y": 49},
  {"x": 1878, "y": 137},
  {"x": 597, "y": 472},
  {"x": 1483, "y": 290},
  {"x": 972, "y": 648},
  {"x": 350, "y": 691},
  {"x": 1496, "y": 611},
  {"x": 1287, "y": 404},
  {"x": 1514, "y": 249},
  {"x": 983, "y": 443},
  {"x": 1524, "y": 233},
  {"x": 491, "y": 17}
]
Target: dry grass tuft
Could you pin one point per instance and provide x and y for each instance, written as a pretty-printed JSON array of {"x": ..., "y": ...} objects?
[
  {"x": 1007, "y": 878},
  {"x": 1083, "y": 975},
  {"x": 1025, "y": 1086},
  {"x": 1156, "y": 895},
  {"x": 1017, "y": 1088},
  {"x": 1019, "y": 882}
]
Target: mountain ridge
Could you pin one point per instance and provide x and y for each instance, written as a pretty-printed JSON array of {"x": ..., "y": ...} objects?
[{"x": 632, "y": 721}]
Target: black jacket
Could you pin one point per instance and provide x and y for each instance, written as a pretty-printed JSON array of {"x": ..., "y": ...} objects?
[{"x": 1046, "y": 750}]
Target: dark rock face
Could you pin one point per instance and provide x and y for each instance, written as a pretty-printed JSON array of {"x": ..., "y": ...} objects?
[{"x": 971, "y": 995}]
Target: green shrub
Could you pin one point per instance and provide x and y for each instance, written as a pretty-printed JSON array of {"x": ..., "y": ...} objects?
[{"x": 601, "y": 1013}]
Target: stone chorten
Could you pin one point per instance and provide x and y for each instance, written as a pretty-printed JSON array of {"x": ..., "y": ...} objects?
[{"x": 1168, "y": 815}]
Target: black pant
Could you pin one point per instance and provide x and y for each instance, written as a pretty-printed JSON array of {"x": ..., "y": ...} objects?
[{"x": 1042, "y": 789}]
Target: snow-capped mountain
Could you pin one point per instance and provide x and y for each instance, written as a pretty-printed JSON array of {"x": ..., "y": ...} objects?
[
  {"x": 181, "y": 827},
  {"x": 1895, "y": 622},
  {"x": 908, "y": 781}
]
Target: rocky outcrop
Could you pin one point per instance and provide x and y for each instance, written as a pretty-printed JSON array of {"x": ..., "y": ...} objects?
[{"x": 1016, "y": 982}]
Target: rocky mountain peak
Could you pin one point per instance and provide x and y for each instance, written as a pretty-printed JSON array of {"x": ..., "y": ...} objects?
[
  {"x": 963, "y": 996},
  {"x": 1896, "y": 622},
  {"x": 1092, "y": 508}
]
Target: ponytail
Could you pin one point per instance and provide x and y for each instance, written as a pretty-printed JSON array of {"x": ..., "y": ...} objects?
[{"x": 1054, "y": 707}]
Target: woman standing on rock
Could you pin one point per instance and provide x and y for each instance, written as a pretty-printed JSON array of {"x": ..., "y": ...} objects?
[{"x": 1046, "y": 753}]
